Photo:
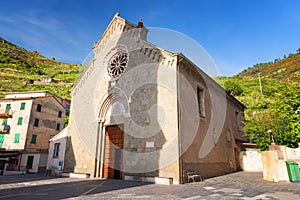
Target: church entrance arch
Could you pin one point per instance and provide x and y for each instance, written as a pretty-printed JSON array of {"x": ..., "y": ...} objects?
[{"x": 110, "y": 137}]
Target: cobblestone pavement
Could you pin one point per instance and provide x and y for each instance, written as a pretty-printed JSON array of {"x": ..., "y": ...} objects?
[{"x": 241, "y": 185}]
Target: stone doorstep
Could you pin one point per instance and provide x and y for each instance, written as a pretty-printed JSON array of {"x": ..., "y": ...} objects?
[
  {"x": 76, "y": 175},
  {"x": 13, "y": 173},
  {"x": 156, "y": 180}
]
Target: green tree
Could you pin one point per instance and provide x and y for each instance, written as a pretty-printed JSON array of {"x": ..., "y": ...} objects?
[
  {"x": 233, "y": 88},
  {"x": 66, "y": 121},
  {"x": 279, "y": 116}
]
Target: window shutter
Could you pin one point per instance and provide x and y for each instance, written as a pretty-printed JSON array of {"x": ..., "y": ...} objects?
[
  {"x": 20, "y": 120},
  {"x": 17, "y": 138},
  {"x": 22, "y": 106},
  {"x": 33, "y": 139}
]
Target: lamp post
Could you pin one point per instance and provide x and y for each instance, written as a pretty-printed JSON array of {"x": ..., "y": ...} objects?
[
  {"x": 271, "y": 133},
  {"x": 297, "y": 112},
  {"x": 260, "y": 87}
]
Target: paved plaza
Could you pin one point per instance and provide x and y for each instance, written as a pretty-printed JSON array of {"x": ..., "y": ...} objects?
[{"x": 240, "y": 185}]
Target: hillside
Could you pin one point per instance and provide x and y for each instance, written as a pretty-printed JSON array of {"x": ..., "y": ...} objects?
[
  {"x": 21, "y": 70},
  {"x": 273, "y": 106},
  {"x": 285, "y": 69}
]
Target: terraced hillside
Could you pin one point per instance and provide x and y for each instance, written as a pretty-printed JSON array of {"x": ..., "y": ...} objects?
[
  {"x": 285, "y": 69},
  {"x": 21, "y": 70},
  {"x": 272, "y": 101}
]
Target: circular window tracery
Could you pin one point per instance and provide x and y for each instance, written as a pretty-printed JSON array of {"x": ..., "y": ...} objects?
[{"x": 117, "y": 64}]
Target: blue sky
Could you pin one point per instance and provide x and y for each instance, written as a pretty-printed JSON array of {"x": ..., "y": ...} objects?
[{"x": 236, "y": 33}]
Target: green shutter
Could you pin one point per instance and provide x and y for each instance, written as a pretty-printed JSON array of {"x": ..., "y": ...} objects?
[
  {"x": 17, "y": 138},
  {"x": 36, "y": 122},
  {"x": 33, "y": 139},
  {"x": 1, "y": 139},
  {"x": 4, "y": 121},
  {"x": 20, "y": 120},
  {"x": 22, "y": 106},
  {"x": 7, "y": 108}
]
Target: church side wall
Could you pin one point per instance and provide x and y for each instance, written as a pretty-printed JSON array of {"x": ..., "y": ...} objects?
[
  {"x": 209, "y": 150},
  {"x": 83, "y": 122}
]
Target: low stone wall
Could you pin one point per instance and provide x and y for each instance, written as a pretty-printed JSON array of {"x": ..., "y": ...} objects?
[
  {"x": 251, "y": 161},
  {"x": 274, "y": 162},
  {"x": 156, "y": 180},
  {"x": 274, "y": 169},
  {"x": 293, "y": 154}
]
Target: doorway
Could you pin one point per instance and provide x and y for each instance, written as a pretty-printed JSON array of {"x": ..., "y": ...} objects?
[
  {"x": 113, "y": 156},
  {"x": 29, "y": 162}
]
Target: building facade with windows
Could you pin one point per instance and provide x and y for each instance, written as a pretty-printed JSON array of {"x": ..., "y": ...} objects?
[
  {"x": 31, "y": 119},
  {"x": 56, "y": 155},
  {"x": 142, "y": 113}
]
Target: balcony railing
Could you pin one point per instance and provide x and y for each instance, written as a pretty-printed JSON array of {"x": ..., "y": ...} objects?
[
  {"x": 6, "y": 113},
  {"x": 4, "y": 129}
]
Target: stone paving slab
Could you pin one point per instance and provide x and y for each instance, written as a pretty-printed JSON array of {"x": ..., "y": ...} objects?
[{"x": 241, "y": 185}]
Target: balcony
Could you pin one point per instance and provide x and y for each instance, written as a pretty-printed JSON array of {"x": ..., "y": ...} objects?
[
  {"x": 6, "y": 113},
  {"x": 4, "y": 129}
]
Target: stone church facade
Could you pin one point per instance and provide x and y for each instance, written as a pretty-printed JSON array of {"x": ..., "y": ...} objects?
[{"x": 139, "y": 111}]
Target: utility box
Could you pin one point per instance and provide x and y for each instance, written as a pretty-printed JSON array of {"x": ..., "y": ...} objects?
[{"x": 293, "y": 171}]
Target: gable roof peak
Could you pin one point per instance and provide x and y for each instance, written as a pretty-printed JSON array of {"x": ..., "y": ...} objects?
[{"x": 119, "y": 25}]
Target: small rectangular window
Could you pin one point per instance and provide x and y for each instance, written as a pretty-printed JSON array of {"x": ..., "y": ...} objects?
[
  {"x": 33, "y": 139},
  {"x": 36, "y": 122},
  {"x": 67, "y": 106},
  {"x": 39, "y": 108},
  {"x": 1, "y": 139},
  {"x": 7, "y": 109},
  {"x": 56, "y": 150},
  {"x": 201, "y": 106},
  {"x": 17, "y": 138},
  {"x": 4, "y": 122},
  {"x": 58, "y": 126},
  {"x": 22, "y": 106},
  {"x": 59, "y": 113},
  {"x": 20, "y": 120}
]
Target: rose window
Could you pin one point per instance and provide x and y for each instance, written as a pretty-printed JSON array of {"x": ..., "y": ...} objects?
[{"x": 117, "y": 64}]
